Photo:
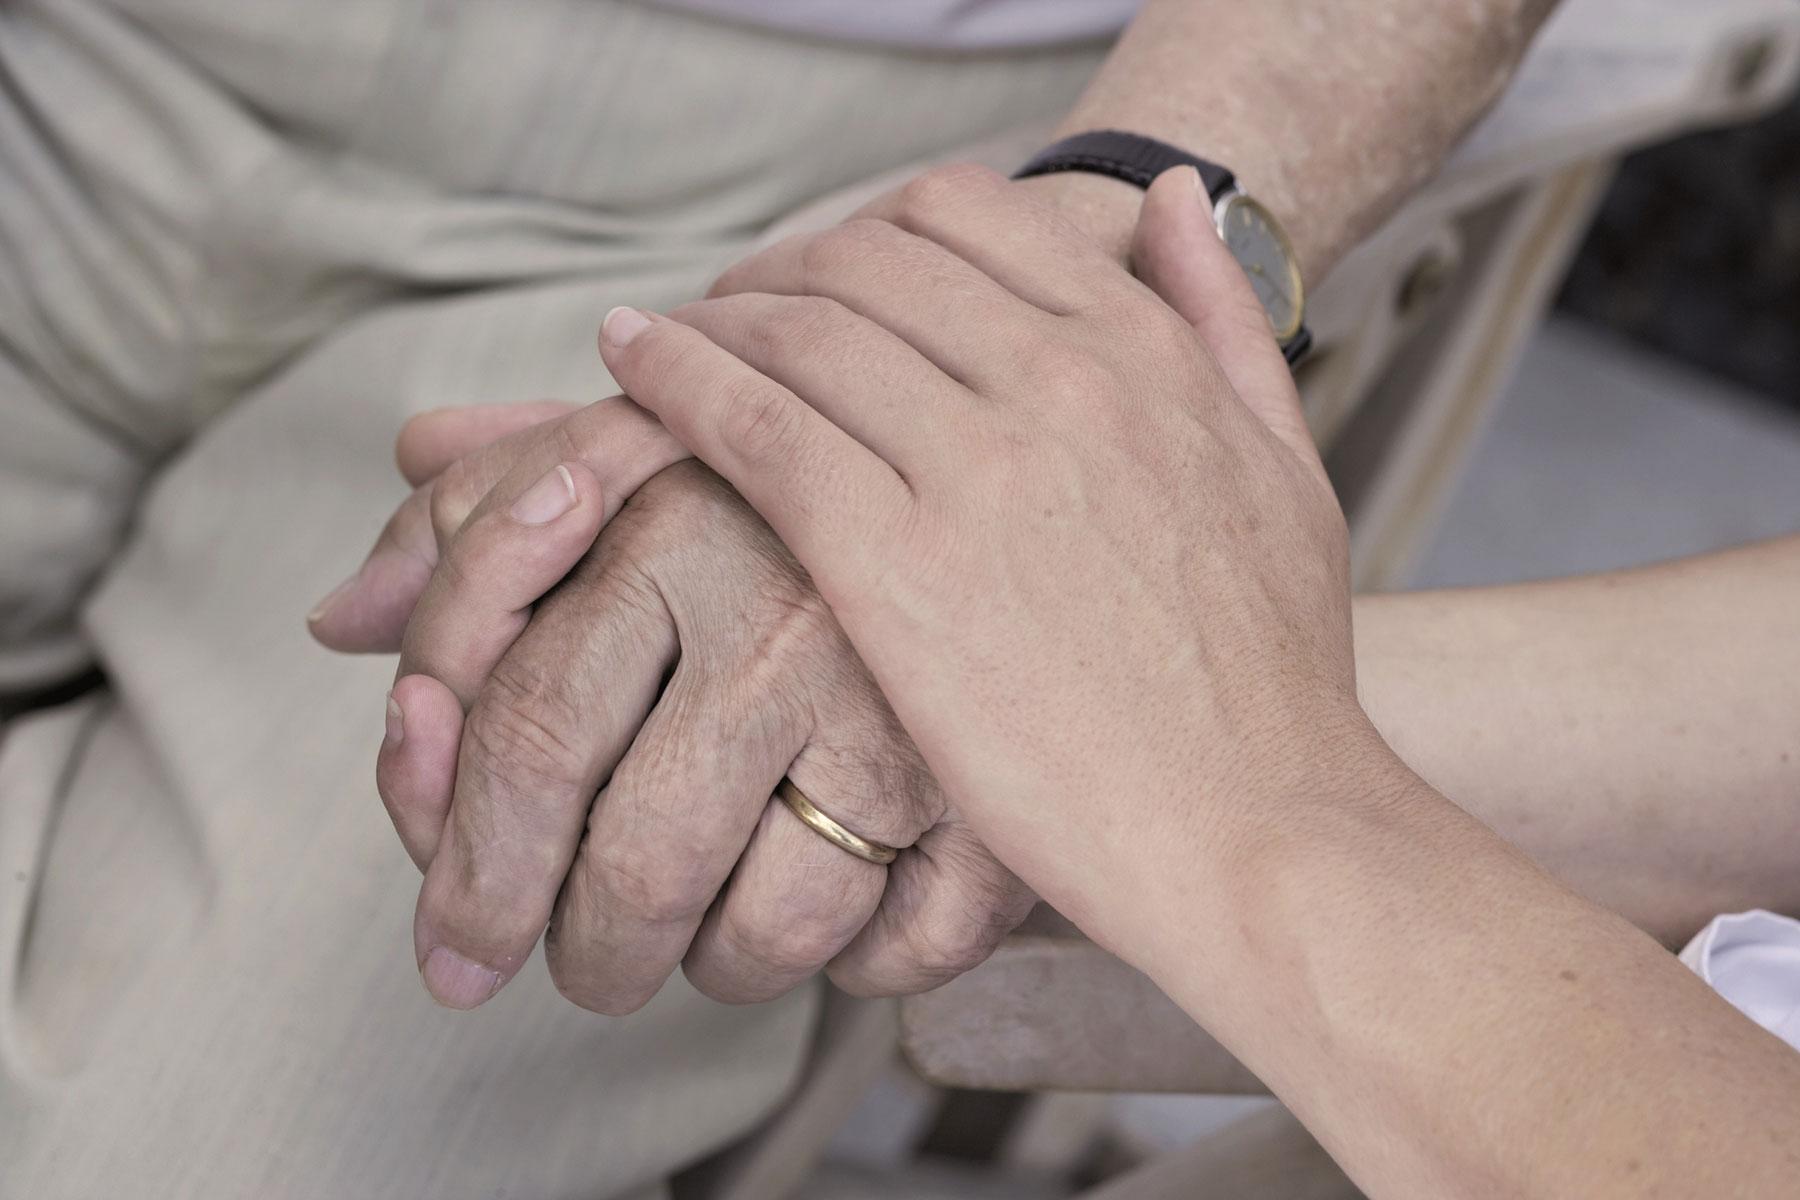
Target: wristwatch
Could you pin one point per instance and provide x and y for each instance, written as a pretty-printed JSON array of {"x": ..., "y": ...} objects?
[{"x": 1251, "y": 232}]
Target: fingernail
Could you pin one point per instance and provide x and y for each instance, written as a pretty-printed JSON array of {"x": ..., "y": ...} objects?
[
  {"x": 331, "y": 598},
  {"x": 1199, "y": 186},
  {"x": 454, "y": 981},
  {"x": 547, "y": 499},
  {"x": 396, "y": 722},
  {"x": 622, "y": 324}
]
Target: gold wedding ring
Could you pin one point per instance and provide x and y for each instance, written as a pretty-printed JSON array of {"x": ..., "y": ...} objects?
[{"x": 830, "y": 830}]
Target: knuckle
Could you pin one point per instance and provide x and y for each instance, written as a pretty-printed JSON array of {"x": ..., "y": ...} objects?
[
  {"x": 793, "y": 328},
  {"x": 521, "y": 731},
  {"x": 758, "y": 419},
  {"x": 686, "y": 496},
  {"x": 611, "y": 429},
  {"x": 661, "y": 893},
  {"x": 787, "y": 948},
  {"x": 683, "y": 506},
  {"x": 454, "y": 496},
  {"x": 942, "y": 187},
  {"x": 898, "y": 773},
  {"x": 939, "y": 941},
  {"x": 576, "y": 438},
  {"x": 617, "y": 598},
  {"x": 667, "y": 347},
  {"x": 829, "y": 252},
  {"x": 942, "y": 949},
  {"x": 460, "y": 576},
  {"x": 794, "y": 636},
  {"x": 860, "y": 760}
]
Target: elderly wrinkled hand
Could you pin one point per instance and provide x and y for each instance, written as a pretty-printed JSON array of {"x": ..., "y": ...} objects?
[
  {"x": 681, "y": 859},
  {"x": 630, "y": 814},
  {"x": 1089, "y": 554}
]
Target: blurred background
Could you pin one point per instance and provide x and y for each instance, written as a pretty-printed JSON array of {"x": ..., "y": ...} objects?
[{"x": 1657, "y": 412}]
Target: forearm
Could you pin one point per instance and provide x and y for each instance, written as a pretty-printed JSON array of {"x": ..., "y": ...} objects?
[
  {"x": 1637, "y": 732},
  {"x": 1330, "y": 113},
  {"x": 1446, "y": 1018}
]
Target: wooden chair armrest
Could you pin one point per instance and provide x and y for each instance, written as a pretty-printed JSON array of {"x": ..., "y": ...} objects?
[{"x": 1051, "y": 1010}]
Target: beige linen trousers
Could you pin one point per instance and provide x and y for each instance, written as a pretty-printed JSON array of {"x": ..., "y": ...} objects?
[{"x": 240, "y": 241}]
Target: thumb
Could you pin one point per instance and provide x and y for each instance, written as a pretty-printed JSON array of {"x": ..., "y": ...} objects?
[{"x": 1178, "y": 253}]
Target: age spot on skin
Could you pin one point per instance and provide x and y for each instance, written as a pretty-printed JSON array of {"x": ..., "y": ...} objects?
[{"x": 1569, "y": 976}]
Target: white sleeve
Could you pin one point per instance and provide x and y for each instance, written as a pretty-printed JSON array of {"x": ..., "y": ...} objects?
[{"x": 1753, "y": 960}]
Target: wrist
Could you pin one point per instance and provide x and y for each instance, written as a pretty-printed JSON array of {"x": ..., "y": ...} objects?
[
  {"x": 1251, "y": 155},
  {"x": 1252, "y": 865}
]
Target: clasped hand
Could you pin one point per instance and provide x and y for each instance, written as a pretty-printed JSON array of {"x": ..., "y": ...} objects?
[{"x": 1084, "y": 592}]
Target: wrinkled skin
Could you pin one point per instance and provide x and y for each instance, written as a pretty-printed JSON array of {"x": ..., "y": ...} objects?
[
  {"x": 1086, "y": 548},
  {"x": 632, "y": 820},
  {"x": 679, "y": 858}
]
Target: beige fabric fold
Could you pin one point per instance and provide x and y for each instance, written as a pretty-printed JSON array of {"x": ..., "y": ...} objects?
[{"x": 239, "y": 244}]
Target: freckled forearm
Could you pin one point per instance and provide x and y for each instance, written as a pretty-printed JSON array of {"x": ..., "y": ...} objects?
[
  {"x": 1446, "y": 1015},
  {"x": 1636, "y": 732},
  {"x": 1330, "y": 113},
  {"x": 1448, "y": 1019}
]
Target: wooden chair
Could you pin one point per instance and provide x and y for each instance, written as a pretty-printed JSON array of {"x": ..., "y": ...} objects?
[{"x": 1418, "y": 332}]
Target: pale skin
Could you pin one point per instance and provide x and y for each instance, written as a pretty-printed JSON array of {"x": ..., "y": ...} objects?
[
  {"x": 1636, "y": 732},
  {"x": 1144, "y": 699},
  {"x": 1330, "y": 113}
]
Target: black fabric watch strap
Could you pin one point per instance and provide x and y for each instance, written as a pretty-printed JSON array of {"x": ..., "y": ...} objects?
[
  {"x": 1127, "y": 156},
  {"x": 1138, "y": 160}
]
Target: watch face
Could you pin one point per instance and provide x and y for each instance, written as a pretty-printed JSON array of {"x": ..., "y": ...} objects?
[{"x": 1261, "y": 248}]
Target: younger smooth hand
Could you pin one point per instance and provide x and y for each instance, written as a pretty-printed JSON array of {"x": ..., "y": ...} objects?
[{"x": 1087, "y": 550}]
